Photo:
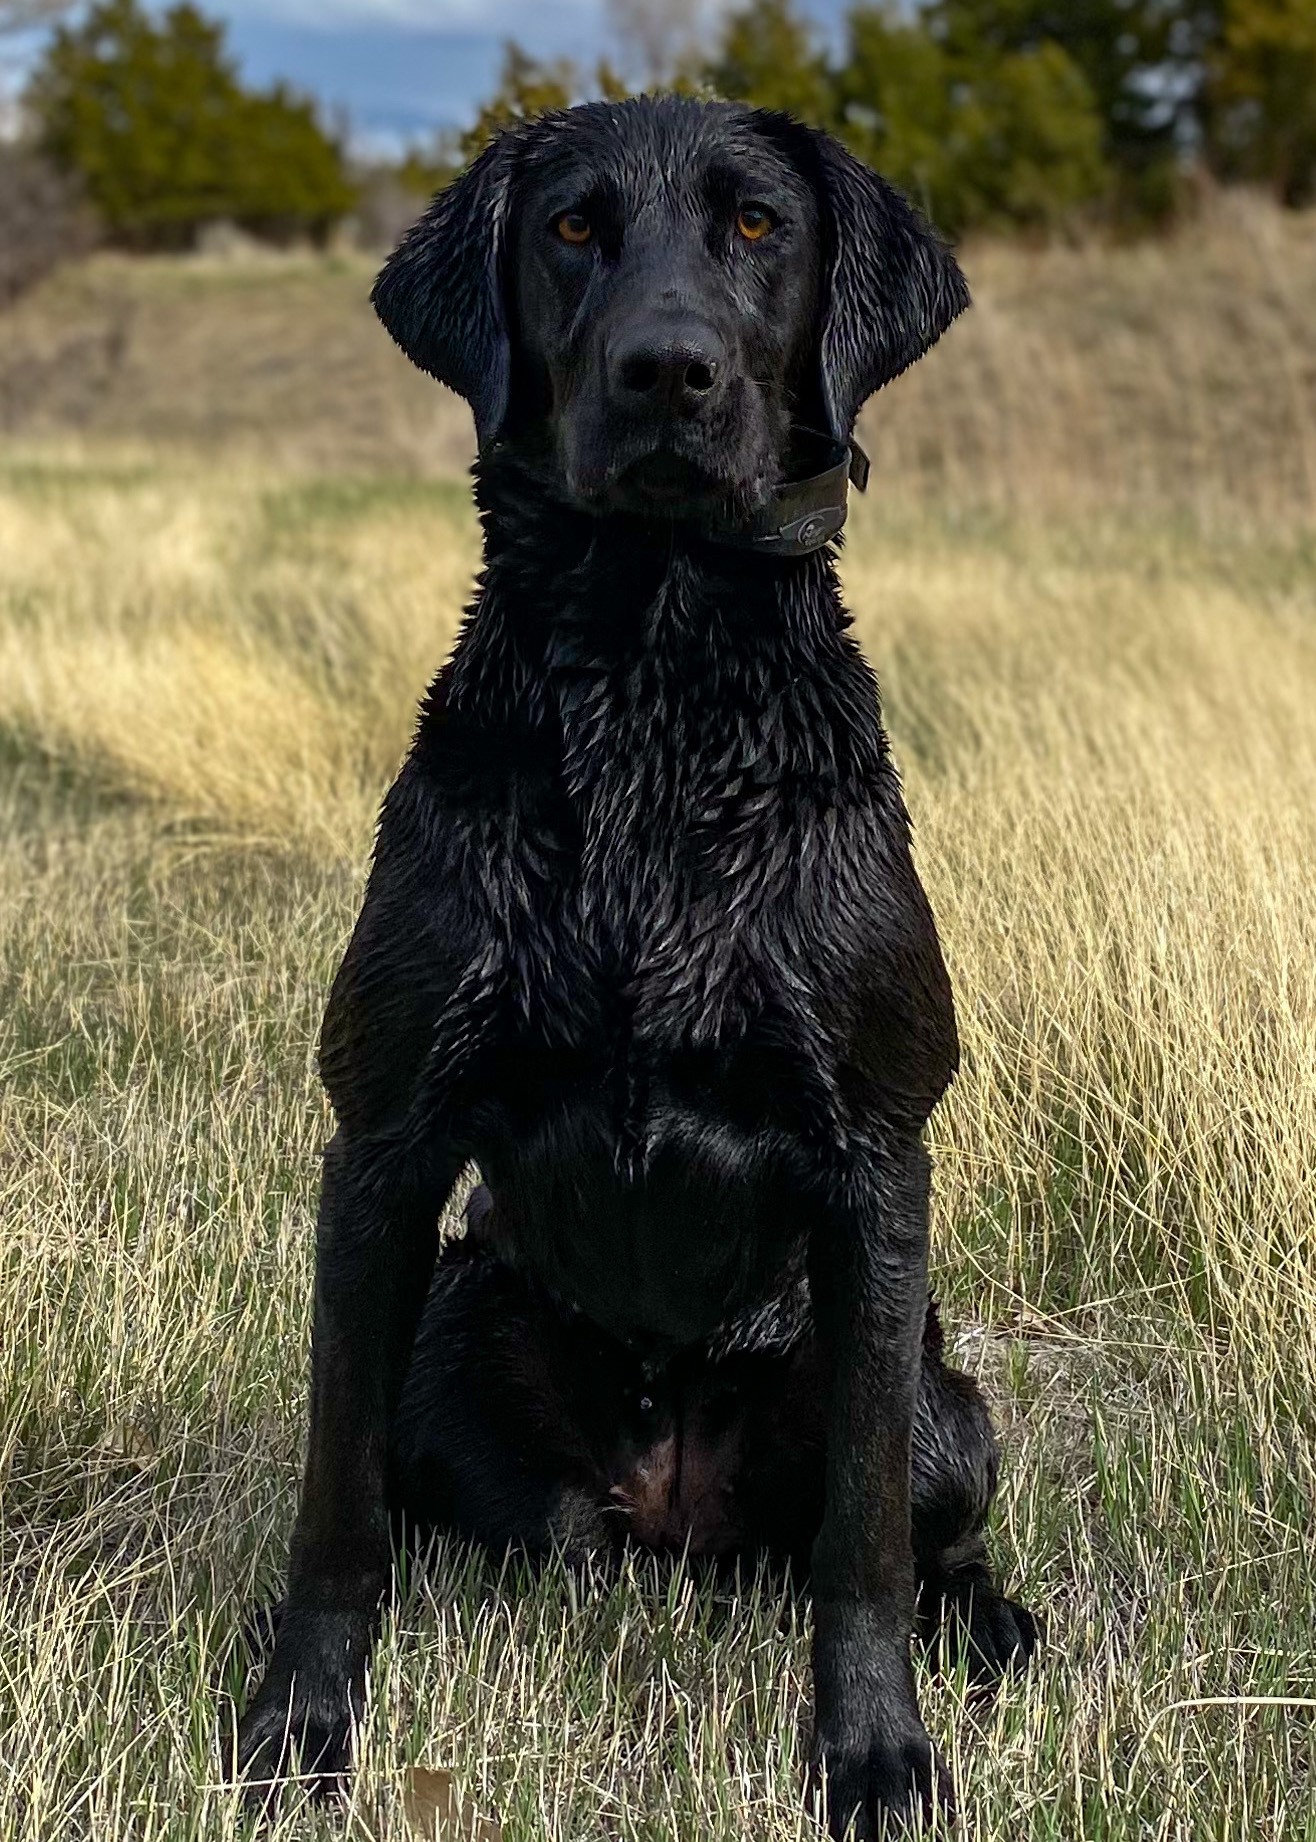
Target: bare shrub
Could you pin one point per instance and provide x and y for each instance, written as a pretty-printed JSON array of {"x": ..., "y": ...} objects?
[
  {"x": 43, "y": 222},
  {"x": 385, "y": 208}
]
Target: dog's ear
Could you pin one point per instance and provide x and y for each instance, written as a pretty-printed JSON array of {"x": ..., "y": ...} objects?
[
  {"x": 440, "y": 293},
  {"x": 890, "y": 286}
]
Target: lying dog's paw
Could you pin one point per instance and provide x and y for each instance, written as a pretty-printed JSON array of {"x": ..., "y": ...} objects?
[
  {"x": 882, "y": 1788},
  {"x": 299, "y": 1725},
  {"x": 969, "y": 1618}
]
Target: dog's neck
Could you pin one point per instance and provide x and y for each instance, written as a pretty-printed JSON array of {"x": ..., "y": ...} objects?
[
  {"x": 588, "y": 634},
  {"x": 590, "y": 637},
  {"x": 625, "y": 584}
]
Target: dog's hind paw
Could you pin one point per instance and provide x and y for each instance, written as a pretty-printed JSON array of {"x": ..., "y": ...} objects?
[{"x": 968, "y": 1617}]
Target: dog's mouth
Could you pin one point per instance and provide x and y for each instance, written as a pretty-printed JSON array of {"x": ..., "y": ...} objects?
[
  {"x": 665, "y": 483},
  {"x": 668, "y": 481}
]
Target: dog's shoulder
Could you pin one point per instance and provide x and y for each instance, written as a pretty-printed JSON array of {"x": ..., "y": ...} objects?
[
  {"x": 475, "y": 841},
  {"x": 864, "y": 926},
  {"x": 893, "y": 1012},
  {"x": 411, "y": 948}
]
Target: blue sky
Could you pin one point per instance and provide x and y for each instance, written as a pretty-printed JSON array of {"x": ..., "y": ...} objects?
[{"x": 402, "y": 68}]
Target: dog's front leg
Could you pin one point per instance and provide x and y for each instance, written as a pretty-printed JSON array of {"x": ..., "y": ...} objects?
[
  {"x": 868, "y": 1274},
  {"x": 375, "y": 1248}
]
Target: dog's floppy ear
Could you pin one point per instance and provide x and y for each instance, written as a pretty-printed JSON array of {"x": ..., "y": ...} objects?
[
  {"x": 440, "y": 293},
  {"x": 890, "y": 285}
]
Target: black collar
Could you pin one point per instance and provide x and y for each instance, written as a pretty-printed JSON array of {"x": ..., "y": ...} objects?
[{"x": 803, "y": 514}]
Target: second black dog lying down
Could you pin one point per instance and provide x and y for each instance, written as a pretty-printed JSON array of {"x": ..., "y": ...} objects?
[{"x": 523, "y": 1424}]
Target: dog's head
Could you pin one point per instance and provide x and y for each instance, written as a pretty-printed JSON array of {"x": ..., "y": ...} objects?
[{"x": 647, "y": 300}]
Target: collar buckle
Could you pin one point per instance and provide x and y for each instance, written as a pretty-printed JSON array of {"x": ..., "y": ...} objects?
[{"x": 804, "y": 514}]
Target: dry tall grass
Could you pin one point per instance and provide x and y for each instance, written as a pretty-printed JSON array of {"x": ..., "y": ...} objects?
[
  {"x": 1178, "y": 376},
  {"x": 1107, "y": 721},
  {"x": 246, "y": 649}
]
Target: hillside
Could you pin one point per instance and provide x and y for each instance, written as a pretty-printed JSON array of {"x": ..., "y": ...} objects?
[
  {"x": 278, "y": 358},
  {"x": 1166, "y": 375}
]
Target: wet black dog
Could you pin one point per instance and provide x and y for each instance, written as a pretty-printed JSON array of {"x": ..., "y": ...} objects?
[{"x": 644, "y": 939}]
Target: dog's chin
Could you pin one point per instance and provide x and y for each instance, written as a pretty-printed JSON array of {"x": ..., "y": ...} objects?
[
  {"x": 669, "y": 484},
  {"x": 664, "y": 484}
]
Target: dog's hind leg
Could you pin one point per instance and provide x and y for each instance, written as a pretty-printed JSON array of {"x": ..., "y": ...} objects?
[
  {"x": 961, "y": 1610},
  {"x": 517, "y": 1419},
  {"x": 953, "y": 1476},
  {"x": 495, "y": 1437}
]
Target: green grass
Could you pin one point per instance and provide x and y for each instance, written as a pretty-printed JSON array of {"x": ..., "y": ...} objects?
[{"x": 1109, "y": 735}]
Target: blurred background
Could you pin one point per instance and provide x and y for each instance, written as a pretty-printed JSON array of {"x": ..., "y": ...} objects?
[
  {"x": 235, "y": 542},
  {"x": 1130, "y": 176}
]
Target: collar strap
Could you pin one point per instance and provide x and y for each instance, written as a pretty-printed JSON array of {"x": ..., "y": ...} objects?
[{"x": 805, "y": 514}]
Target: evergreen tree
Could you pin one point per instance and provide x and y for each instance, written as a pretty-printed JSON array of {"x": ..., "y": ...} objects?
[
  {"x": 530, "y": 86},
  {"x": 526, "y": 87},
  {"x": 1259, "y": 94},
  {"x": 153, "y": 122},
  {"x": 982, "y": 138},
  {"x": 767, "y": 56},
  {"x": 896, "y": 105},
  {"x": 1139, "y": 62}
]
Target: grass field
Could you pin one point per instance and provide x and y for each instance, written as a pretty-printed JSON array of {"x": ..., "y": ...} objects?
[{"x": 1105, "y": 708}]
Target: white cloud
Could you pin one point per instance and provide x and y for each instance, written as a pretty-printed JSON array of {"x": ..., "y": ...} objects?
[{"x": 407, "y": 15}]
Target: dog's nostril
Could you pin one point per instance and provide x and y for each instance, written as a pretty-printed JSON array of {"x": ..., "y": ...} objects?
[
  {"x": 669, "y": 374},
  {"x": 640, "y": 373}
]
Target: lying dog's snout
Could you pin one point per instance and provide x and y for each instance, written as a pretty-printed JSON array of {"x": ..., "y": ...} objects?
[{"x": 672, "y": 369}]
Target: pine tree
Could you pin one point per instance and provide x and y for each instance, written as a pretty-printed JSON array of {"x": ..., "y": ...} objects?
[
  {"x": 1137, "y": 59},
  {"x": 153, "y": 122},
  {"x": 978, "y": 136},
  {"x": 767, "y": 56},
  {"x": 1259, "y": 95},
  {"x": 526, "y": 87}
]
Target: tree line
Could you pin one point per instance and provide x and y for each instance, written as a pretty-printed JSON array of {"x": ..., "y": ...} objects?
[
  {"x": 1000, "y": 114},
  {"x": 1025, "y": 115}
]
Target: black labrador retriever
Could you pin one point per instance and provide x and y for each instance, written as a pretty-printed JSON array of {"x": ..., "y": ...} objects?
[{"x": 643, "y": 939}]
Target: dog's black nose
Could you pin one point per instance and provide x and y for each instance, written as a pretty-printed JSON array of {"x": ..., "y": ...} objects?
[{"x": 676, "y": 369}]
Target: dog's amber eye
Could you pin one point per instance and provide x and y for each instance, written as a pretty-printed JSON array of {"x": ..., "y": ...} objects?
[
  {"x": 573, "y": 227},
  {"x": 753, "y": 222}
]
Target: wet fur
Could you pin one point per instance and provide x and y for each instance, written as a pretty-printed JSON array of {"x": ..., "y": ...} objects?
[{"x": 643, "y": 937}]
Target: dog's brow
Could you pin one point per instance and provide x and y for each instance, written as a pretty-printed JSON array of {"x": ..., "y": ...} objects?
[
  {"x": 727, "y": 182},
  {"x": 566, "y": 189},
  {"x": 561, "y": 177}
]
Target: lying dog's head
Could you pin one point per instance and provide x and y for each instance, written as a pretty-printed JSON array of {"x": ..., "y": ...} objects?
[{"x": 648, "y": 299}]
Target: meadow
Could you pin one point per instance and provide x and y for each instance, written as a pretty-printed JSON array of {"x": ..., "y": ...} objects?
[{"x": 1086, "y": 572}]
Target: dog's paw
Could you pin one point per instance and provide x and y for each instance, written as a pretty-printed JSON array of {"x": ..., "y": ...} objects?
[
  {"x": 282, "y": 1739},
  {"x": 886, "y": 1787},
  {"x": 299, "y": 1726},
  {"x": 971, "y": 1619}
]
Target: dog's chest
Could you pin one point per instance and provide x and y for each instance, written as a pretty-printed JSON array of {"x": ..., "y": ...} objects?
[{"x": 687, "y": 856}]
